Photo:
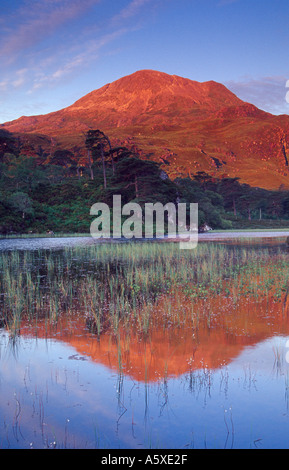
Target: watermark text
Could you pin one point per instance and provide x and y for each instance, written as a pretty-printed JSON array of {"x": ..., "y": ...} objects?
[{"x": 155, "y": 220}]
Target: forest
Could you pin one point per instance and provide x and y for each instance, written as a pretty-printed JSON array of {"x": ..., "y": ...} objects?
[{"x": 55, "y": 192}]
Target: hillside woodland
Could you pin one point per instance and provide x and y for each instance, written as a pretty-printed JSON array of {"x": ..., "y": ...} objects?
[{"x": 56, "y": 191}]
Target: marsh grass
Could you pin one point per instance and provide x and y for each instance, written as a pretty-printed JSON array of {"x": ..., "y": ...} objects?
[{"x": 113, "y": 285}]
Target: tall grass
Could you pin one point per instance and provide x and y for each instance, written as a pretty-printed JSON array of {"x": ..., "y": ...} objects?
[{"x": 122, "y": 284}]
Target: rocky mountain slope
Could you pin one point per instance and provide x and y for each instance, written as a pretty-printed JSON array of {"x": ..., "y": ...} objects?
[{"x": 186, "y": 125}]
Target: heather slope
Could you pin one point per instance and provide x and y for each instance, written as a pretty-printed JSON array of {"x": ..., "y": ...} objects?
[{"x": 191, "y": 126}]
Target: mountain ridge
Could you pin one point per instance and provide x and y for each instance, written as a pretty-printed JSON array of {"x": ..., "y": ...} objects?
[{"x": 193, "y": 126}]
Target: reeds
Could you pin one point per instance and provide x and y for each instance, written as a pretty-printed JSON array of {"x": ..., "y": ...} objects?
[{"x": 126, "y": 283}]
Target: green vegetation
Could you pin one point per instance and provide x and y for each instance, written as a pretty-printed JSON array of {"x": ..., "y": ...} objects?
[{"x": 56, "y": 191}]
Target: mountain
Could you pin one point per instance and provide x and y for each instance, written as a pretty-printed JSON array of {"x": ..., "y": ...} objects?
[{"x": 187, "y": 125}]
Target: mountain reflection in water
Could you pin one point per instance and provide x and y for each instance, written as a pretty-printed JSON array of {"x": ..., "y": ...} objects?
[
  {"x": 173, "y": 351},
  {"x": 208, "y": 372}
]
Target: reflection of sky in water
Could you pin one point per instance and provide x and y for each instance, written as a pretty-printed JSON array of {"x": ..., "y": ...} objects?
[
  {"x": 63, "y": 390},
  {"x": 42, "y": 243},
  {"x": 56, "y": 242},
  {"x": 70, "y": 242},
  {"x": 45, "y": 380},
  {"x": 49, "y": 393}
]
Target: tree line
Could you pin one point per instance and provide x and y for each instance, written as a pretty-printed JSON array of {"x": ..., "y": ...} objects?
[{"x": 40, "y": 194}]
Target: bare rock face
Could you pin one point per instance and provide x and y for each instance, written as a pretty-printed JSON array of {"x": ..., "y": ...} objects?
[{"x": 186, "y": 125}]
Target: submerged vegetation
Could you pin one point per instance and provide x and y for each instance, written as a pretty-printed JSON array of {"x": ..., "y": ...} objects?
[{"x": 136, "y": 285}]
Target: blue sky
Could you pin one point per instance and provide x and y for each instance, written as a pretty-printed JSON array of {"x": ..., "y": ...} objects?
[{"x": 52, "y": 52}]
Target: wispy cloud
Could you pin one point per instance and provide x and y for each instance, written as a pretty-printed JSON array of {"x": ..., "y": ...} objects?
[
  {"x": 46, "y": 44},
  {"x": 4, "y": 85},
  {"x": 20, "y": 78},
  {"x": 267, "y": 93},
  {"x": 40, "y": 36},
  {"x": 78, "y": 61},
  {"x": 36, "y": 20},
  {"x": 130, "y": 10},
  {"x": 75, "y": 57}
]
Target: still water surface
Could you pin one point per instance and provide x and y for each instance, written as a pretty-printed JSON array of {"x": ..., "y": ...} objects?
[
  {"x": 62, "y": 387},
  {"x": 54, "y": 396}
]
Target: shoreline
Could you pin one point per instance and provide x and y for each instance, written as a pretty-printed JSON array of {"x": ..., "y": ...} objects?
[
  {"x": 236, "y": 235},
  {"x": 63, "y": 241},
  {"x": 211, "y": 235}
]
